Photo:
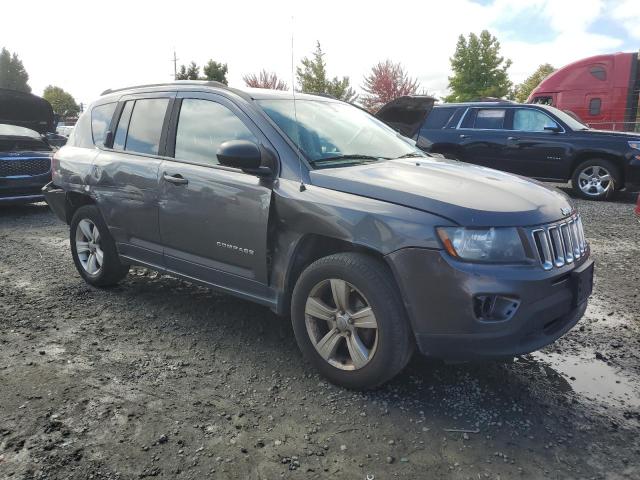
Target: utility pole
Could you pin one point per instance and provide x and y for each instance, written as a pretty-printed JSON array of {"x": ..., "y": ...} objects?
[{"x": 175, "y": 65}]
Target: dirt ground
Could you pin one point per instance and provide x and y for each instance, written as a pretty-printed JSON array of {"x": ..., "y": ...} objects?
[{"x": 159, "y": 378}]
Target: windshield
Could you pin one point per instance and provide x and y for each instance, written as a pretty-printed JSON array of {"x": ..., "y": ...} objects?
[
  {"x": 571, "y": 122},
  {"x": 331, "y": 132}
]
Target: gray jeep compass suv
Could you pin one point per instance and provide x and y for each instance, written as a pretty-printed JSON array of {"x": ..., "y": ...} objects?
[{"x": 316, "y": 209}]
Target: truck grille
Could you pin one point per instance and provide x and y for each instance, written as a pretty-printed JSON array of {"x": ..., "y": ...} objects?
[
  {"x": 561, "y": 243},
  {"x": 24, "y": 167}
]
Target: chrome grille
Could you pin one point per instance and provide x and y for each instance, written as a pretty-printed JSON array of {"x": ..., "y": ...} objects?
[
  {"x": 560, "y": 244},
  {"x": 24, "y": 167}
]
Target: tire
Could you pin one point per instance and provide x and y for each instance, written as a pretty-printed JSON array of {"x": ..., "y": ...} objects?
[
  {"x": 389, "y": 347},
  {"x": 594, "y": 170},
  {"x": 99, "y": 274}
]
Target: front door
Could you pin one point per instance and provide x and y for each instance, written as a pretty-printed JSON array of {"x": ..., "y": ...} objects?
[
  {"x": 533, "y": 151},
  {"x": 213, "y": 219}
]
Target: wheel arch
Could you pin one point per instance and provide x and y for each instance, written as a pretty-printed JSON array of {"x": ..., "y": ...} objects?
[
  {"x": 75, "y": 200},
  {"x": 594, "y": 155}
]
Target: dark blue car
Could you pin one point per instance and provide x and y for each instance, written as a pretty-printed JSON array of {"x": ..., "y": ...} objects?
[{"x": 25, "y": 153}]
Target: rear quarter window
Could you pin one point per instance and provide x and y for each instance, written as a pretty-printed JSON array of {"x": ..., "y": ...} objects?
[
  {"x": 439, "y": 118},
  {"x": 81, "y": 134},
  {"x": 100, "y": 121}
]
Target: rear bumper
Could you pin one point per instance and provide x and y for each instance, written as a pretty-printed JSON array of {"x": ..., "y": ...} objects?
[
  {"x": 57, "y": 200},
  {"x": 439, "y": 296}
]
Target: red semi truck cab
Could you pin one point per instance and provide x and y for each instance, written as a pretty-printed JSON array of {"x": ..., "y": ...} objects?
[{"x": 602, "y": 91}]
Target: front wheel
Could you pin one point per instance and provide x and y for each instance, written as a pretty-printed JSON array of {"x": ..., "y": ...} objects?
[
  {"x": 596, "y": 179},
  {"x": 350, "y": 322}
]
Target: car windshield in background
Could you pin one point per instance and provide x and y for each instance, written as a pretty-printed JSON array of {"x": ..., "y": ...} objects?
[
  {"x": 571, "y": 122},
  {"x": 332, "y": 133}
]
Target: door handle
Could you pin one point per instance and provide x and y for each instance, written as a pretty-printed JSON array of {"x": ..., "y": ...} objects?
[
  {"x": 462, "y": 135},
  {"x": 176, "y": 179},
  {"x": 513, "y": 139}
]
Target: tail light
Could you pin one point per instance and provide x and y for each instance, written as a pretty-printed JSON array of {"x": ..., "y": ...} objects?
[
  {"x": 54, "y": 162},
  {"x": 638, "y": 207}
]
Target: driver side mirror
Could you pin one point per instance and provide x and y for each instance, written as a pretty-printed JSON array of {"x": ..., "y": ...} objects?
[
  {"x": 244, "y": 155},
  {"x": 553, "y": 128}
]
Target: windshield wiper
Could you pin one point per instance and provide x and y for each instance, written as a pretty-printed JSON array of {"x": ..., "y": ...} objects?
[
  {"x": 355, "y": 156},
  {"x": 411, "y": 155}
]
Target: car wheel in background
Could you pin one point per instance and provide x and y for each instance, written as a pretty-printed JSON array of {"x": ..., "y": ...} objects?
[
  {"x": 93, "y": 249},
  {"x": 596, "y": 179},
  {"x": 350, "y": 322}
]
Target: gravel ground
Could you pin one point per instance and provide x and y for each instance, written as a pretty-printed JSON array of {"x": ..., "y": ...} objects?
[{"x": 160, "y": 378}]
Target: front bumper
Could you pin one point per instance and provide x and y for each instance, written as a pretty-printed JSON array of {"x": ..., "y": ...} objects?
[
  {"x": 439, "y": 296},
  {"x": 22, "y": 189}
]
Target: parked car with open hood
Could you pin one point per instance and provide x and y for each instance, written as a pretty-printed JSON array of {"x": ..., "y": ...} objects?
[
  {"x": 25, "y": 153},
  {"x": 320, "y": 211},
  {"x": 538, "y": 141}
]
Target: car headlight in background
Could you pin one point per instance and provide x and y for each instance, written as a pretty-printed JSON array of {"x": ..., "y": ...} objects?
[
  {"x": 635, "y": 144},
  {"x": 483, "y": 244}
]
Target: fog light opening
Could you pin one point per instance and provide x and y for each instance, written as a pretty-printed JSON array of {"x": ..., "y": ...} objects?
[{"x": 495, "y": 308}]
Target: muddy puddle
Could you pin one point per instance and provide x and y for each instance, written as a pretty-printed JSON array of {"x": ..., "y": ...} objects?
[{"x": 590, "y": 377}]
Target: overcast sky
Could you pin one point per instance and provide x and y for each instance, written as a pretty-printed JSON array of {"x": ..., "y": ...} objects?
[{"x": 87, "y": 46}]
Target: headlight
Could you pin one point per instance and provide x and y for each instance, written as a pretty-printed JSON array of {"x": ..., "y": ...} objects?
[
  {"x": 483, "y": 244},
  {"x": 635, "y": 144}
]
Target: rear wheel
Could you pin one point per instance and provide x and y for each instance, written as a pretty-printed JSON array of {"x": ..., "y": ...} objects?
[
  {"x": 596, "y": 179},
  {"x": 93, "y": 249},
  {"x": 349, "y": 321}
]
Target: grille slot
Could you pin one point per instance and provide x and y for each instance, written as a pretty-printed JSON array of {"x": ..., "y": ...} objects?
[
  {"x": 560, "y": 244},
  {"x": 24, "y": 167}
]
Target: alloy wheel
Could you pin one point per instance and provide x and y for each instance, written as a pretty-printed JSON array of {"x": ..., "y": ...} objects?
[
  {"x": 341, "y": 324},
  {"x": 88, "y": 246},
  {"x": 595, "y": 181}
]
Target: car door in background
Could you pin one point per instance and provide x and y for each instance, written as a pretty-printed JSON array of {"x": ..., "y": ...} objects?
[
  {"x": 535, "y": 146},
  {"x": 126, "y": 175},
  {"x": 482, "y": 136},
  {"x": 213, "y": 219}
]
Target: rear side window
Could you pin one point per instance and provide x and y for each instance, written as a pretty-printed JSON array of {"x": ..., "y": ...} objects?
[
  {"x": 145, "y": 127},
  {"x": 595, "y": 104},
  {"x": 439, "y": 118},
  {"x": 100, "y": 121},
  {"x": 202, "y": 126},
  {"x": 490, "y": 118}
]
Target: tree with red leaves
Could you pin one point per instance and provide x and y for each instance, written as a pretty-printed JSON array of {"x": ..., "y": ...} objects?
[
  {"x": 386, "y": 82},
  {"x": 265, "y": 80}
]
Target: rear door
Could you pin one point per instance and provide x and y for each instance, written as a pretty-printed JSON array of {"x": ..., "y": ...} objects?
[
  {"x": 482, "y": 136},
  {"x": 126, "y": 174},
  {"x": 533, "y": 151},
  {"x": 213, "y": 219}
]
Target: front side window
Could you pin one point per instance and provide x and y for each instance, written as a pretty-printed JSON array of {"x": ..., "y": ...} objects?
[
  {"x": 336, "y": 133},
  {"x": 100, "y": 121},
  {"x": 202, "y": 126},
  {"x": 145, "y": 127},
  {"x": 529, "y": 120},
  {"x": 490, "y": 118}
]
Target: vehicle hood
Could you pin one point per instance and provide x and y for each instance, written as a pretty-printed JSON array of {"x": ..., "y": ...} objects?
[
  {"x": 466, "y": 194},
  {"x": 26, "y": 110},
  {"x": 406, "y": 114},
  {"x": 592, "y": 133}
]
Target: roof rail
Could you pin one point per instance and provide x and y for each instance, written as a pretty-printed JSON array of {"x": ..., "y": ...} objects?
[{"x": 204, "y": 83}]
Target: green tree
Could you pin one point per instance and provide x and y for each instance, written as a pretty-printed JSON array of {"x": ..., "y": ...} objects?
[
  {"x": 62, "y": 102},
  {"x": 12, "y": 73},
  {"x": 522, "y": 91},
  {"x": 192, "y": 72},
  {"x": 312, "y": 78},
  {"x": 478, "y": 69},
  {"x": 216, "y": 71}
]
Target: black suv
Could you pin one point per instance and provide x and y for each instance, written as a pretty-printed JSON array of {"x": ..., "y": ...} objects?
[
  {"x": 319, "y": 211},
  {"x": 537, "y": 141}
]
